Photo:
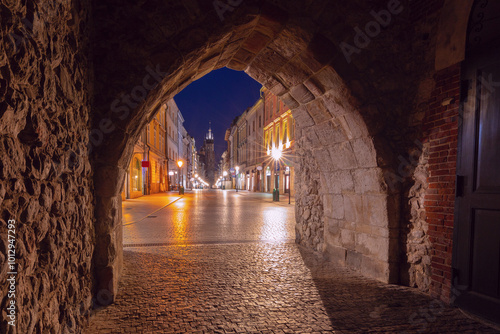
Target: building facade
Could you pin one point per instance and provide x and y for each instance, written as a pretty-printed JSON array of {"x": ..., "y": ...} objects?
[
  {"x": 153, "y": 167},
  {"x": 172, "y": 144},
  {"x": 278, "y": 144},
  {"x": 260, "y": 154}
]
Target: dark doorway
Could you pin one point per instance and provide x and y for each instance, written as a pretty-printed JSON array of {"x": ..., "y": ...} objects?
[{"x": 476, "y": 262}]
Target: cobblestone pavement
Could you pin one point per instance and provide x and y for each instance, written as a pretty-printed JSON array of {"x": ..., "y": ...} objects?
[
  {"x": 212, "y": 217},
  {"x": 260, "y": 286}
]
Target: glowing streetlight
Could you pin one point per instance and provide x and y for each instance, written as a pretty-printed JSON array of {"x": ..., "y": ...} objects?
[
  {"x": 237, "y": 172},
  {"x": 181, "y": 188},
  {"x": 276, "y": 155}
]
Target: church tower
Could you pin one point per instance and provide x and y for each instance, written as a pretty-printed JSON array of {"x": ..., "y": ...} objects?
[{"x": 210, "y": 155}]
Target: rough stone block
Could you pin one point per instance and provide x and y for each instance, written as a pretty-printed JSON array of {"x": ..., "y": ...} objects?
[
  {"x": 365, "y": 152},
  {"x": 294, "y": 73},
  {"x": 363, "y": 228},
  {"x": 336, "y": 182},
  {"x": 289, "y": 101},
  {"x": 108, "y": 214},
  {"x": 315, "y": 87},
  {"x": 369, "y": 180},
  {"x": 275, "y": 86},
  {"x": 356, "y": 125},
  {"x": 269, "y": 60},
  {"x": 329, "y": 134},
  {"x": 375, "y": 210},
  {"x": 348, "y": 239},
  {"x": 290, "y": 42},
  {"x": 243, "y": 56},
  {"x": 256, "y": 42},
  {"x": 335, "y": 254},
  {"x": 236, "y": 65},
  {"x": 318, "y": 111},
  {"x": 302, "y": 94},
  {"x": 353, "y": 260},
  {"x": 329, "y": 79},
  {"x": 344, "y": 224},
  {"x": 343, "y": 156},
  {"x": 321, "y": 155},
  {"x": 353, "y": 207},
  {"x": 332, "y": 231},
  {"x": 333, "y": 206},
  {"x": 376, "y": 269},
  {"x": 375, "y": 247},
  {"x": 311, "y": 139}
]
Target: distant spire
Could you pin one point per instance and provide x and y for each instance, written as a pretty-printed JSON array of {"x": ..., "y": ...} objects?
[{"x": 210, "y": 134}]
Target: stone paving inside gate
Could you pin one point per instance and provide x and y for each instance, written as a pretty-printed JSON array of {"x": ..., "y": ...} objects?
[{"x": 263, "y": 287}]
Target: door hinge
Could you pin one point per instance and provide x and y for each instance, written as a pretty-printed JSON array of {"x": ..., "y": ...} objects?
[
  {"x": 459, "y": 186},
  {"x": 465, "y": 86}
]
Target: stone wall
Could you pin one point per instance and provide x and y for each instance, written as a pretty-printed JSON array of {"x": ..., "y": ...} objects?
[{"x": 45, "y": 186}]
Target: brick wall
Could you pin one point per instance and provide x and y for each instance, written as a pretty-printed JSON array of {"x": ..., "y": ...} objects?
[{"x": 441, "y": 128}]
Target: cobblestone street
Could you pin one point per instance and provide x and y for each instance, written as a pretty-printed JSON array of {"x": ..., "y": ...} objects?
[{"x": 221, "y": 262}]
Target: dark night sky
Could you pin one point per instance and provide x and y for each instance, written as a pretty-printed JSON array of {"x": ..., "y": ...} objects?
[{"x": 218, "y": 97}]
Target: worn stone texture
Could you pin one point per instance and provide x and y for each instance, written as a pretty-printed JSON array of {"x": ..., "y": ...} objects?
[
  {"x": 46, "y": 181},
  {"x": 417, "y": 245}
]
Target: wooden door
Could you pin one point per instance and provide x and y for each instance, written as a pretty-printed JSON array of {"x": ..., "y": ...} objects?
[{"x": 476, "y": 261}]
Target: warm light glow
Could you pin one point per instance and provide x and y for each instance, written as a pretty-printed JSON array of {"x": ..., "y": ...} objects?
[
  {"x": 170, "y": 173},
  {"x": 237, "y": 169},
  {"x": 268, "y": 152},
  {"x": 276, "y": 153},
  {"x": 180, "y": 163},
  {"x": 225, "y": 173},
  {"x": 288, "y": 144},
  {"x": 196, "y": 175}
]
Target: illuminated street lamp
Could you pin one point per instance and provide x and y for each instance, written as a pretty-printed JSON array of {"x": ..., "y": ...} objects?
[
  {"x": 276, "y": 155},
  {"x": 237, "y": 172},
  {"x": 181, "y": 188}
]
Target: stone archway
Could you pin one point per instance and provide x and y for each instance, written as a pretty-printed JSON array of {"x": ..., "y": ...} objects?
[
  {"x": 73, "y": 68},
  {"x": 348, "y": 206}
]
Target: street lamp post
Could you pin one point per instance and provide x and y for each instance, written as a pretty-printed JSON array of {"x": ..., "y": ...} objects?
[
  {"x": 276, "y": 155},
  {"x": 224, "y": 174},
  {"x": 181, "y": 188},
  {"x": 237, "y": 173}
]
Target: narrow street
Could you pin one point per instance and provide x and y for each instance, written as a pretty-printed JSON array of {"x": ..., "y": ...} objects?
[{"x": 226, "y": 262}]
